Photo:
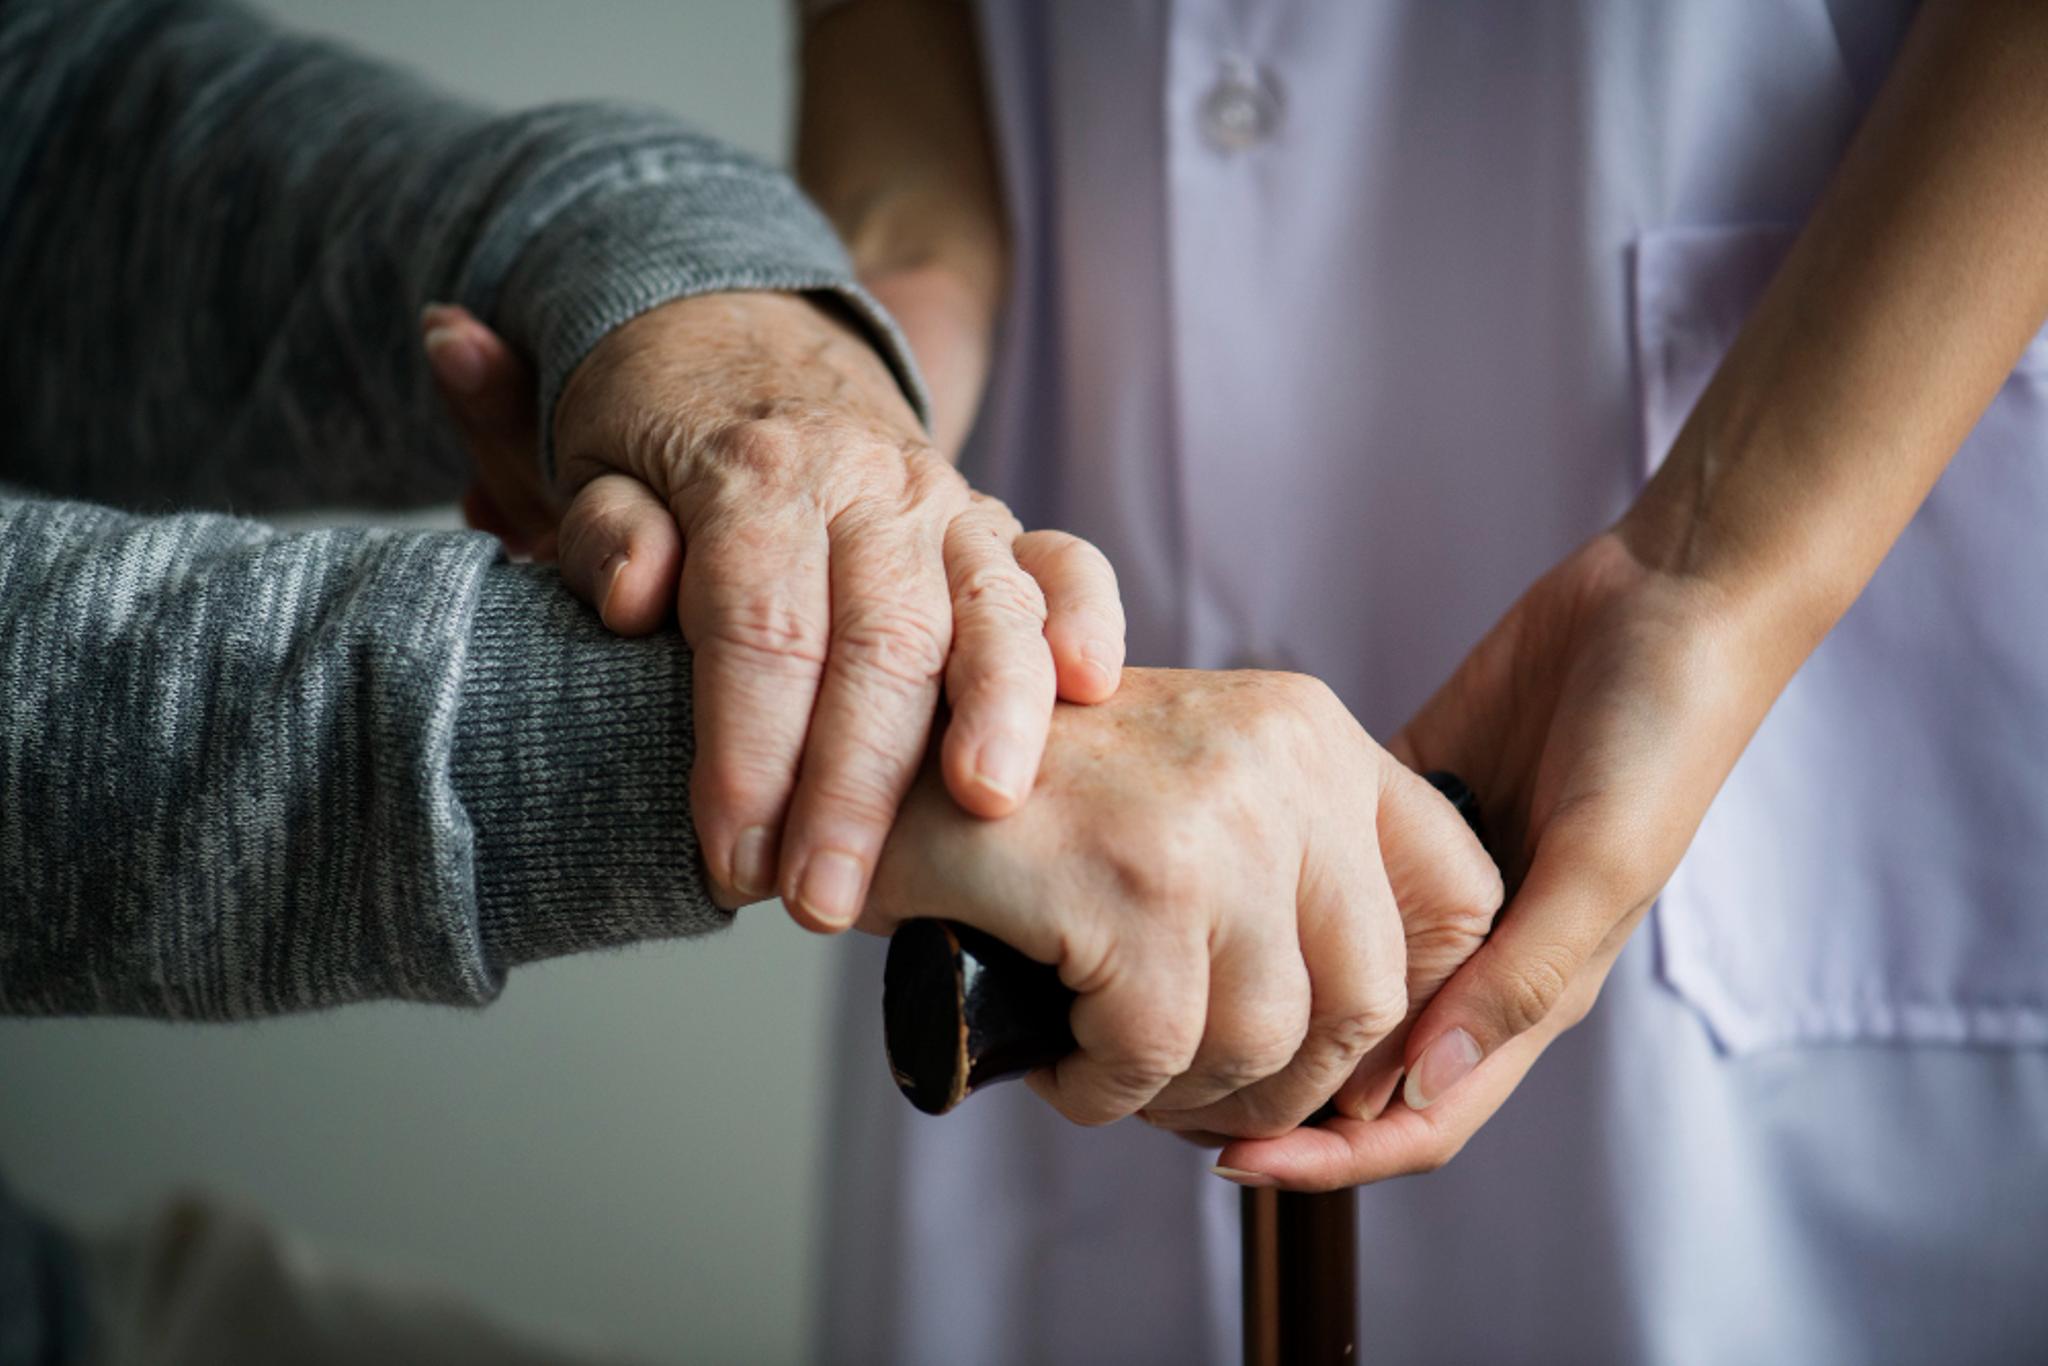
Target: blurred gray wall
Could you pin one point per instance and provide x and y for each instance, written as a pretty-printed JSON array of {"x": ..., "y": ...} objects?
[{"x": 625, "y": 1148}]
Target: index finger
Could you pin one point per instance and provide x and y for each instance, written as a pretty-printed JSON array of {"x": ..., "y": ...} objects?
[
  {"x": 891, "y": 628},
  {"x": 753, "y": 606}
]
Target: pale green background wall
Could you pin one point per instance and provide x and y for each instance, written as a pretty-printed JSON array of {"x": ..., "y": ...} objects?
[{"x": 625, "y": 1147}]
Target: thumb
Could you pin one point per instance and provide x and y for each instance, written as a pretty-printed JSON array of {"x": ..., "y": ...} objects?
[
  {"x": 488, "y": 391},
  {"x": 621, "y": 553},
  {"x": 1565, "y": 909}
]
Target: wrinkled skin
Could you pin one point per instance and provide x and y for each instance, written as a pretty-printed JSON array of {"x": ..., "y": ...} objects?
[
  {"x": 748, "y": 461},
  {"x": 1597, "y": 720},
  {"x": 1240, "y": 883}
]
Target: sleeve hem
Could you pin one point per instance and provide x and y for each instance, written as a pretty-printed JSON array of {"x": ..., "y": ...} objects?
[
  {"x": 625, "y": 248},
  {"x": 572, "y": 761}
]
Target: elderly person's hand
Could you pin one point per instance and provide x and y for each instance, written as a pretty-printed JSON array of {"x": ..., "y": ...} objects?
[
  {"x": 1236, "y": 880},
  {"x": 750, "y": 459}
]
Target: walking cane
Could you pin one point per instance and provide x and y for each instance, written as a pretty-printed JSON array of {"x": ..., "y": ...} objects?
[{"x": 961, "y": 1009}]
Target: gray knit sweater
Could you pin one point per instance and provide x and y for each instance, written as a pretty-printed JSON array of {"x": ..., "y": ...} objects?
[{"x": 245, "y": 772}]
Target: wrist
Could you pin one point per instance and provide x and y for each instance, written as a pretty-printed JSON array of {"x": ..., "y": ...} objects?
[{"x": 1744, "y": 520}]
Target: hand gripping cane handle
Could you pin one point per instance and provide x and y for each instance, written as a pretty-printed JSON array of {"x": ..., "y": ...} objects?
[{"x": 961, "y": 1009}]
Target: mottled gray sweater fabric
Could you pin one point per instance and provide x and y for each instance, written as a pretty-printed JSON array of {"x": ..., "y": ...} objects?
[{"x": 245, "y": 772}]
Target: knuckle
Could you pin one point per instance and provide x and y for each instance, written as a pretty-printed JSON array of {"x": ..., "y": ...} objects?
[
  {"x": 729, "y": 784},
  {"x": 1142, "y": 1067},
  {"x": 1306, "y": 692},
  {"x": 859, "y": 786},
  {"x": 1448, "y": 935},
  {"x": 1143, "y": 1059},
  {"x": 1234, "y": 1066},
  {"x": 1352, "y": 1032},
  {"x": 768, "y": 627},
  {"x": 895, "y": 482},
  {"x": 899, "y": 642},
  {"x": 988, "y": 697},
  {"x": 1163, "y": 864},
  {"x": 1151, "y": 867},
  {"x": 1477, "y": 899},
  {"x": 1094, "y": 564},
  {"x": 1297, "y": 708},
  {"x": 757, "y": 449},
  {"x": 1070, "y": 554},
  {"x": 930, "y": 478},
  {"x": 1531, "y": 989},
  {"x": 1070, "y": 550},
  {"x": 995, "y": 515},
  {"x": 1002, "y": 593}
]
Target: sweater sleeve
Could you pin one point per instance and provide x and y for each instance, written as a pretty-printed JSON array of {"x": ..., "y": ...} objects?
[
  {"x": 216, "y": 238},
  {"x": 245, "y": 772}
]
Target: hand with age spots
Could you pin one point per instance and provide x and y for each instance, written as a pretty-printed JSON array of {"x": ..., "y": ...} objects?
[
  {"x": 749, "y": 462},
  {"x": 1242, "y": 887}
]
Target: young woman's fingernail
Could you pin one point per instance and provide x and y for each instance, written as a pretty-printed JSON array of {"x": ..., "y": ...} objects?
[
  {"x": 456, "y": 359},
  {"x": 436, "y": 313},
  {"x": 830, "y": 886},
  {"x": 1003, "y": 767},
  {"x": 1244, "y": 1178},
  {"x": 608, "y": 575},
  {"x": 753, "y": 868},
  {"x": 1443, "y": 1065}
]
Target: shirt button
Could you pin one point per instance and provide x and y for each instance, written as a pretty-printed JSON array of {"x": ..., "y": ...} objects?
[{"x": 1242, "y": 109}]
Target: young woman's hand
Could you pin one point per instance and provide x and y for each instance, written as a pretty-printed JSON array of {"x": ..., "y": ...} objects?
[{"x": 1596, "y": 721}]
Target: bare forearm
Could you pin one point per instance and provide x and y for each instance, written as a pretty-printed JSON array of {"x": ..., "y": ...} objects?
[
  {"x": 893, "y": 143},
  {"x": 1898, "y": 314}
]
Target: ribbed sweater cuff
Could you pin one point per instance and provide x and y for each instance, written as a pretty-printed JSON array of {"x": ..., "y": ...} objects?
[
  {"x": 572, "y": 760},
  {"x": 681, "y": 230}
]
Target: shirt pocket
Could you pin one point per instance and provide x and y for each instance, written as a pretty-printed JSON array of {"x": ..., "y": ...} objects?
[{"x": 1876, "y": 869}]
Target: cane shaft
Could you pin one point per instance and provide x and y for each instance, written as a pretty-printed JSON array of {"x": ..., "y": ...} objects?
[{"x": 1300, "y": 1278}]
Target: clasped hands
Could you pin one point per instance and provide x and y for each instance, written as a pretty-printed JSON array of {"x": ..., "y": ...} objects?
[{"x": 1261, "y": 908}]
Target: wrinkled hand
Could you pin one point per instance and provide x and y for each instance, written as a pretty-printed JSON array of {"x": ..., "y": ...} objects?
[
  {"x": 1596, "y": 721},
  {"x": 1221, "y": 865},
  {"x": 837, "y": 569}
]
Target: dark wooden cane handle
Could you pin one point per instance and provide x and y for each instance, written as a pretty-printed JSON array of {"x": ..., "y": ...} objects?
[{"x": 961, "y": 1009}]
